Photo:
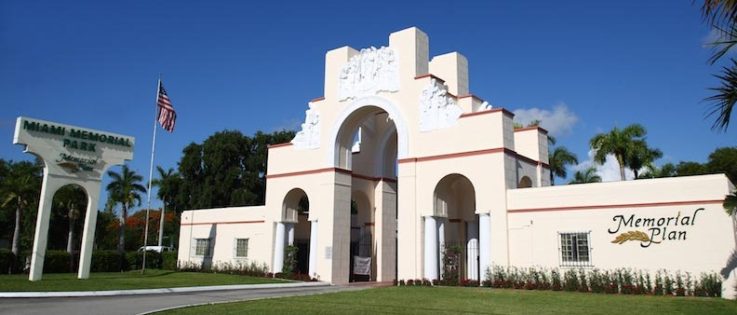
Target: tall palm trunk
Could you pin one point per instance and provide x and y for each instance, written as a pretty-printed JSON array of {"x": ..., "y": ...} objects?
[
  {"x": 70, "y": 236},
  {"x": 121, "y": 239},
  {"x": 620, "y": 161},
  {"x": 16, "y": 231}
]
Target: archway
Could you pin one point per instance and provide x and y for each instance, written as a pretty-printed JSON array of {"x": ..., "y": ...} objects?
[
  {"x": 294, "y": 231},
  {"x": 68, "y": 207},
  {"x": 525, "y": 182},
  {"x": 366, "y": 144},
  {"x": 457, "y": 228}
]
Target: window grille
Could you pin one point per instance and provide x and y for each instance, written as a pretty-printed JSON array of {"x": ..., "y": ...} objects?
[
  {"x": 202, "y": 247},
  {"x": 575, "y": 250}
]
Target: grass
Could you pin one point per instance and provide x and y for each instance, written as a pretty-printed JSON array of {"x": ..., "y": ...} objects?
[
  {"x": 123, "y": 281},
  {"x": 453, "y": 300}
]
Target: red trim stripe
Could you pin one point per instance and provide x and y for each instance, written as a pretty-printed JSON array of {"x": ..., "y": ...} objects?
[
  {"x": 624, "y": 205},
  {"x": 332, "y": 169}
]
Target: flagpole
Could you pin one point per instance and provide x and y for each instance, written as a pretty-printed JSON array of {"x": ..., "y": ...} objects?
[{"x": 150, "y": 174}]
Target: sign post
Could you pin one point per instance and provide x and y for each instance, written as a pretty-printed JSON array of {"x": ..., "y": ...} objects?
[{"x": 71, "y": 155}]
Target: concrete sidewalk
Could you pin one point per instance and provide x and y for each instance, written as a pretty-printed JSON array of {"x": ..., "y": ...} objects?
[{"x": 162, "y": 290}]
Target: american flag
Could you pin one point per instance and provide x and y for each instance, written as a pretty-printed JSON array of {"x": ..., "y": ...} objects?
[{"x": 167, "y": 114}]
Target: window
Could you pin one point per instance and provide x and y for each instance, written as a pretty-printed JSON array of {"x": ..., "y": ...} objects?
[
  {"x": 574, "y": 249},
  {"x": 202, "y": 247},
  {"x": 241, "y": 247}
]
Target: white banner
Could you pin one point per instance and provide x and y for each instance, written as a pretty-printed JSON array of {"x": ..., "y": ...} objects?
[{"x": 362, "y": 265}]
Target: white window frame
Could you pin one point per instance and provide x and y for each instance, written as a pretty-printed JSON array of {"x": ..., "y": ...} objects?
[
  {"x": 579, "y": 254},
  {"x": 235, "y": 247},
  {"x": 208, "y": 250}
]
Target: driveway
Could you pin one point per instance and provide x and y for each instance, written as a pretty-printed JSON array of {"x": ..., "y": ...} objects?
[{"x": 136, "y": 304}]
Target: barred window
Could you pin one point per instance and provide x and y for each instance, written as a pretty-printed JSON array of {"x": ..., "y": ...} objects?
[
  {"x": 202, "y": 247},
  {"x": 574, "y": 249},
  {"x": 241, "y": 247}
]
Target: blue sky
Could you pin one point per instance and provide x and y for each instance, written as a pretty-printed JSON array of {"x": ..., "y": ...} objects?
[{"x": 254, "y": 65}]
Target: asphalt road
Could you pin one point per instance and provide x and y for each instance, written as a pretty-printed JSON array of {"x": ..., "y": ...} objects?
[{"x": 136, "y": 304}]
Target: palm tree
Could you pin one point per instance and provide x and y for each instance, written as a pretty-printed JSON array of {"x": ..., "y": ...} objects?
[
  {"x": 620, "y": 143},
  {"x": 21, "y": 186},
  {"x": 558, "y": 159},
  {"x": 722, "y": 15},
  {"x": 587, "y": 176},
  {"x": 73, "y": 199},
  {"x": 125, "y": 189},
  {"x": 168, "y": 183},
  {"x": 641, "y": 157}
]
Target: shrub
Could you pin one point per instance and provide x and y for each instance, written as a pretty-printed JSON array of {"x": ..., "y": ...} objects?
[
  {"x": 555, "y": 280},
  {"x": 680, "y": 289},
  {"x": 709, "y": 285},
  {"x": 395, "y": 282},
  {"x": 596, "y": 281},
  {"x": 9, "y": 263},
  {"x": 668, "y": 281},
  {"x": 582, "y": 286},
  {"x": 410, "y": 282},
  {"x": 290, "y": 259},
  {"x": 658, "y": 289},
  {"x": 401, "y": 283},
  {"x": 57, "y": 261},
  {"x": 105, "y": 261},
  {"x": 570, "y": 280},
  {"x": 134, "y": 260},
  {"x": 452, "y": 264},
  {"x": 169, "y": 260}
]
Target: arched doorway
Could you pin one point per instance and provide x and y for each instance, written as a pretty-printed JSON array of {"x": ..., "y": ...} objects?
[
  {"x": 293, "y": 233},
  {"x": 366, "y": 145},
  {"x": 455, "y": 227}
]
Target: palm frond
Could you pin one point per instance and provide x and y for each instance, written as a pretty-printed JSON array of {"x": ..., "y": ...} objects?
[{"x": 725, "y": 98}]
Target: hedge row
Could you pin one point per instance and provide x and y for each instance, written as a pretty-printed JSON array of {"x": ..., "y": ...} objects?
[
  {"x": 618, "y": 281},
  {"x": 58, "y": 261}
]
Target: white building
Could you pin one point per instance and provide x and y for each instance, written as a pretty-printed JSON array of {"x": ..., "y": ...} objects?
[{"x": 398, "y": 159}]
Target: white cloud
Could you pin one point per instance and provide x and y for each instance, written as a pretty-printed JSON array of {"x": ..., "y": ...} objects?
[
  {"x": 558, "y": 122},
  {"x": 609, "y": 171}
]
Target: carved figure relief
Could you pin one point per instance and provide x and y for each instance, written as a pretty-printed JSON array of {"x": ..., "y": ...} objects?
[
  {"x": 371, "y": 71},
  {"x": 309, "y": 136},
  {"x": 438, "y": 110}
]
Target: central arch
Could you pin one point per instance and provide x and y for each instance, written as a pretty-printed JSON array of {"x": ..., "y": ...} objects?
[{"x": 367, "y": 143}]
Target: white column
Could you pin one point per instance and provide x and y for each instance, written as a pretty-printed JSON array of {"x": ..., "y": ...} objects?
[
  {"x": 472, "y": 250},
  {"x": 279, "y": 247},
  {"x": 539, "y": 175},
  {"x": 290, "y": 234},
  {"x": 431, "y": 248},
  {"x": 88, "y": 235},
  {"x": 313, "y": 249},
  {"x": 484, "y": 244},
  {"x": 42, "y": 228},
  {"x": 441, "y": 243}
]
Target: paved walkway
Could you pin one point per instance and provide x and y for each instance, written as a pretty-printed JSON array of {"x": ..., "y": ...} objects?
[{"x": 144, "y": 303}]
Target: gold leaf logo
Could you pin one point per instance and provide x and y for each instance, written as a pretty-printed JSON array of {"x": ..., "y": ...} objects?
[{"x": 633, "y": 236}]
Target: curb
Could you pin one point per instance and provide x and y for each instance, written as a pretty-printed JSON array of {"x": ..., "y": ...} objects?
[{"x": 160, "y": 290}]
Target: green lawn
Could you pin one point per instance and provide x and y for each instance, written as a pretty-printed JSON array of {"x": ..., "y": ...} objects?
[
  {"x": 447, "y": 300},
  {"x": 123, "y": 281}
]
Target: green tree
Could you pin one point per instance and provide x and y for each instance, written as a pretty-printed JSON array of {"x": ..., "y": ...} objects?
[
  {"x": 169, "y": 183},
  {"x": 558, "y": 160},
  {"x": 21, "y": 189},
  {"x": 622, "y": 143},
  {"x": 688, "y": 168},
  {"x": 586, "y": 176},
  {"x": 641, "y": 157},
  {"x": 73, "y": 200},
  {"x": 125, "y": 189},
  {"x": 723, "y": 160},
  {"x": 730, "y": 203},
  {"x": 227, "y": 169}
]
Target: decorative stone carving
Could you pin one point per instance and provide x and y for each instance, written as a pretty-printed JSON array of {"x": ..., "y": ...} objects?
[
  {"x": 438, "y": 110},
  {"x": 371, "y": 71},
  {"x": 309, "y": 136}
]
